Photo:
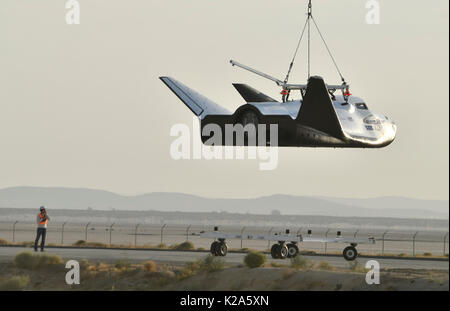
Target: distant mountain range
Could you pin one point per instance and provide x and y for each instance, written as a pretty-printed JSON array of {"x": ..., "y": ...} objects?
[{"x": 78, "y": 198}]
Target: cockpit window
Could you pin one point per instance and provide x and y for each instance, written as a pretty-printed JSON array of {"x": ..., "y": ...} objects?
[{"x": 361, "y": 106}]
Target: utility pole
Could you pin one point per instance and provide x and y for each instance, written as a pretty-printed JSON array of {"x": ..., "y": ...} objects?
[
  {"x": 86, "y": 231},
  {"x": 414, "y": 243},
  {"x": 162, "y": 231},
  {"x": 326, "y": 243},
  {"x": 242, "y": 233},
  {"x": 187, "y": 232},
  {"x": 445, "y": 241},
  {"x": 110, "y": 233},
  {"x": 62, "y": 233},
  {"x": 135, "y": 235},
  {"x": 382, "y": 245},
  {"x": 268, "y": 242},
  {"x": 14, "y": 231}
]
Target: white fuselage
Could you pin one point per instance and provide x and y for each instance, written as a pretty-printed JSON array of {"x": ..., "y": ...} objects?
[{"x": 358, "y": 123}]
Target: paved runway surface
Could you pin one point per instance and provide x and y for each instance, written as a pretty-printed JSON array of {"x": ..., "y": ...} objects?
[{"x": 179, "y": 258}]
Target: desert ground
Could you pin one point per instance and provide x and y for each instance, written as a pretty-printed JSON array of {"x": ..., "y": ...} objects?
[{"x": 29, "y": 271}]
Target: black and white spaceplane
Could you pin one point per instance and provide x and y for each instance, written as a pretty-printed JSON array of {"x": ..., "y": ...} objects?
[{"x": 319, "y": 119}]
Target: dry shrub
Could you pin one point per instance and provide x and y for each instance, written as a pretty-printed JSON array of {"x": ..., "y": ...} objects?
[
  {"x": 298, "y": 262},
  {"x": 83, "y": 243},
  {"x": 48, "y": 260},
  {"x": 212, "y": 264},
  {"x": 150, "y": 266},
  {"x": 79, "y": 243},
  {"x": 15, "y": 283},
  {"x": 208, "y": 264},
  {"x": 84, "y": 263},
  {"x": 355, "y": 266},
  {"x": 27, "y": 260},
  {"x": 190, "y": 269},
  {"x": 122, "y": 265},
  {"x": 185, "y": 246},
  {"x": 255, "y": 260},
  {"x": 102, "y": 266}
]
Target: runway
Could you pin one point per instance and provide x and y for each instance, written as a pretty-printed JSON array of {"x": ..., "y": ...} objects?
[{"x": 179, "y": 258}]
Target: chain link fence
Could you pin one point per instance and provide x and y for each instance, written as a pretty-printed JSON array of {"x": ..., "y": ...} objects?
[{"x": 414, "y": 243}]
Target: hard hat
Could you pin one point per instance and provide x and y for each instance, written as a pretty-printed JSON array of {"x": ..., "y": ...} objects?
[{"x": 42, "y": 208}]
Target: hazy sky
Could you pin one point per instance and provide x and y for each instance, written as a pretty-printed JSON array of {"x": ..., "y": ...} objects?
[{"x": 82, "y": 106}]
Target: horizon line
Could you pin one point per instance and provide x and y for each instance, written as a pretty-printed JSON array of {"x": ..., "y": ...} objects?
[{"x": 218, "y": 198}]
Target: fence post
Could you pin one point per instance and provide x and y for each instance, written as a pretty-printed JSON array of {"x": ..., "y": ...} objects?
[
  {"x": 382, "y": 244},
  {"x": 14, "y": 232},
  {"x": 86, "y": 231},
  {"x": 135, "y": 234},
  {"x": 268, "y": 233},
  {"x": 445, "y": 241},
  {"x": 162, "y": 230},
  {"x": 242, "y": 232},
  {"x": 110, "y": 233},
  {"x": 62, "y": 233},
  {"x": 187, "y": 232},
  {"x": 414, "y": 243},
  {"x": 326, "y": 243}
]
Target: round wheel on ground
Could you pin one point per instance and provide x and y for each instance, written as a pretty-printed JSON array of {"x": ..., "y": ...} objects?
[
  {"x": 214, "y": 249},
  {"x": 275, "y": 250},
  {"x": 283, "y": 253},
  {"x": 222, "y": 249},
  {"x": 292, "y": 250},
  {"x": 350, "y": 253}
]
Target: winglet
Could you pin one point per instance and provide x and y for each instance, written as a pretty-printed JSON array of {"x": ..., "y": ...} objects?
[{"x": 252, "y": 95}]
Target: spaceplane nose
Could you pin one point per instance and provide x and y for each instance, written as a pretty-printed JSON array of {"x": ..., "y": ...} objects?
[{"x": 392, "y": 132}]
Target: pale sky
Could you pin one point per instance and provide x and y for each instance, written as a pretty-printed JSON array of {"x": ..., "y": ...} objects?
[{"x": 82, "y": 105}]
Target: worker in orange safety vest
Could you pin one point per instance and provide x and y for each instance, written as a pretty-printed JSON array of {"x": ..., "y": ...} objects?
[{"x": 41, "y": 220}]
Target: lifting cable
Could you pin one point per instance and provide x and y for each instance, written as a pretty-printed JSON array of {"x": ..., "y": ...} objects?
[
  {"x": 329, "y": 52},
  {"x": 295, "y": 54},
  {"x": 307, "y": 23},
  {"x": 309, "y": 37}
]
